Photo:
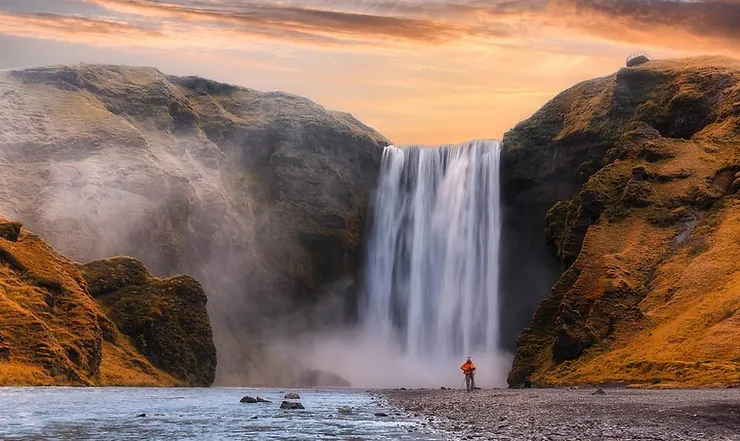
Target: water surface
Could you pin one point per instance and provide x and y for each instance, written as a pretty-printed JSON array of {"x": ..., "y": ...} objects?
[{"x": 60, "y": 413}]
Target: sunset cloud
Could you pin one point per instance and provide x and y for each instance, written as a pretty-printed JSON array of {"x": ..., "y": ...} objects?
[
  {"x": 418, "y": 70},
  {"x": 670, "y": 23}
]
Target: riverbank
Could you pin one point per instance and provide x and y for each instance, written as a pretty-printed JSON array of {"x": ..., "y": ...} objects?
[{"x": 561, "y": 414}]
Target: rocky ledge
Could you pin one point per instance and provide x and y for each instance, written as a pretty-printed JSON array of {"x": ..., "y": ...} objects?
[
  {"x": 107, "y": 323},
  {"x": 634, "y": 179}
]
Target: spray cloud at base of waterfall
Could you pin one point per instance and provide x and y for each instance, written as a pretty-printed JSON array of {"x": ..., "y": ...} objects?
[{"x": 430, "y": 296}]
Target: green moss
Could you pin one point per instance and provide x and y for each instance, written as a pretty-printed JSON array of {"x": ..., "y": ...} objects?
[{"x": 165, "y": 318}]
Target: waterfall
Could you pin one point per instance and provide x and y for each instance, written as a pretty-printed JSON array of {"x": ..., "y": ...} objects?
[{"x": 432, "y": 268}]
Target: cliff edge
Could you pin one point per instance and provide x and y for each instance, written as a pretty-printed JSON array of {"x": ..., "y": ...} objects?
[
  {"x": 639, "y": 173},
  {"x": 54, "y": 332},
  {"x": 261, "y": 196}
]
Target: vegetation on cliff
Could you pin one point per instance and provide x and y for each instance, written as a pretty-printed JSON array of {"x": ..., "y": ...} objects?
[
  {"x": 640, "y": 170},
  {"x": 55, "y": 333},
  {"x": 259, "y": 195},
  {"x": 165, "y": 318}
]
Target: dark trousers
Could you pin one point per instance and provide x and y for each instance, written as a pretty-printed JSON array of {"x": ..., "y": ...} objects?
[{"x": 469, "y": 382}]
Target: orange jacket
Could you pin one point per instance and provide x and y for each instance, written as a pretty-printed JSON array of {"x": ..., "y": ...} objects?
[{"x": 468, "y": 368}]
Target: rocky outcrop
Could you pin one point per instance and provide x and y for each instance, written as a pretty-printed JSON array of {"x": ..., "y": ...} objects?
[
  {"x": 165, "y": 318},
  {"x": 53, "y": 331},
  {"x": 632, "y": 176},
  {"x": 260, "y": 196}
]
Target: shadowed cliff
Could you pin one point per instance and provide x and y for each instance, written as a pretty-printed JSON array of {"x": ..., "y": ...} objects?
[
  {"x": 633, "y": 178},
  {"x": 260, "y": 196}
]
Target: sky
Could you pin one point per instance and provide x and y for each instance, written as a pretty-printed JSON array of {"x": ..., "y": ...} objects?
[{"x": 426, "y": 72}]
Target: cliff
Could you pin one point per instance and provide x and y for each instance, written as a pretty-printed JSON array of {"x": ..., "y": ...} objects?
[
  {"x": 55, "y": 333},
  {"x": 639, "y": 173},
  {"x": 261, "y": 196}
]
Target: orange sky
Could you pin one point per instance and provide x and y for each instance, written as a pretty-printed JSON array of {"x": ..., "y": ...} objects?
[{"x": 429, "y": 72}]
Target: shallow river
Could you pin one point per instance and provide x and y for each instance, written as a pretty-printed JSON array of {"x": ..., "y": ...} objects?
[{"x": 193, "y": 414}]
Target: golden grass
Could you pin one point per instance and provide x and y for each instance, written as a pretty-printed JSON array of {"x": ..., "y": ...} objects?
[
  {"x": 653, "y": 297},
  {"x": 21, "y": 374},
  {"x": 50, "y": 325},
  {"x": 120, "y": 366},
  {"x": 690, "y": 332}
]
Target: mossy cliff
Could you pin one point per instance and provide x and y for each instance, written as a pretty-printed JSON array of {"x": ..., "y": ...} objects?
[
  {"x": 54, "y": 332},
  {"x": 639, "y": 173},
  {"x": 261, "y": 196}
]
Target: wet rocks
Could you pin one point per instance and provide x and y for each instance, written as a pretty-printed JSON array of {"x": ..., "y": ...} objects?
[
  {"x": 292, "y": 396},
  {"x": 253, "y": 400},
  {"x": 289, "y": 405},
  {"x": 381, "y": 414}
]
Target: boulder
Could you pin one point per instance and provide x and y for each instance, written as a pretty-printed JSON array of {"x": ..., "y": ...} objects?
[
  {"x": 288, "y": 405},
  {"x": 292, "y": 396},
  {"x": 249, "y": 400},
  {"x": 10, "y": 230}
]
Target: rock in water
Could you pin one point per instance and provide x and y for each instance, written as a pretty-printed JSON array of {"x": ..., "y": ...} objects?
[
  {"x": 262, "y": 400},
  {"x": 291, "y": 406},
  {"x": 292, "y": 396},
  {"x": 381, "y": 415},
  {"x": 346, "y": 410},
  {"x": 249, "y": 400}
]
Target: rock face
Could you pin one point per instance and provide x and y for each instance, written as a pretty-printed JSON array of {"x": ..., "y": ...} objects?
[
  {"x": 165, "y": 318},
  {"x": 260, "y": 196},
  {"x": 53, "y": 331},
  {"x": 632, "y": 176}
]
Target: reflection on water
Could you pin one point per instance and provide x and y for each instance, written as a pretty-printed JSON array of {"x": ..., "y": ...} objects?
[{"x": 193, "y": 414}]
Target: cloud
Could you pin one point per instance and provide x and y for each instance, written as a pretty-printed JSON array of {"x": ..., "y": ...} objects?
[
  {"x": 274, "y": 18},
  {"x": 669, "y": 23},
  {"x": 75, "y": 29},
  {"x": 398, "y": 24}
]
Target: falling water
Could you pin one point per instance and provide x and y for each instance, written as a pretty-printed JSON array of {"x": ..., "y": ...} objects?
[{"x": 432, "y": 269}]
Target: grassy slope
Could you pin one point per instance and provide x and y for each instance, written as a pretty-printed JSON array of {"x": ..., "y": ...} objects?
[
  {"x": 651, "y": 295},
  {"x": 53, "y": 332}
]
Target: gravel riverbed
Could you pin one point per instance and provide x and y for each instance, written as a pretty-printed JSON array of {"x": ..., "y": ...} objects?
[{"x": 575, "y": 414}]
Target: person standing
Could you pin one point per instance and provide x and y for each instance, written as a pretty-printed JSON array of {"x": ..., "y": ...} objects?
[{"x": 468, "y": 369}]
